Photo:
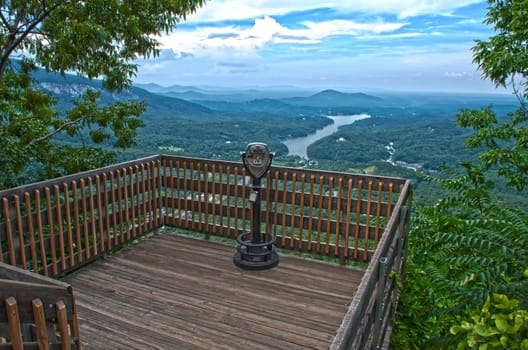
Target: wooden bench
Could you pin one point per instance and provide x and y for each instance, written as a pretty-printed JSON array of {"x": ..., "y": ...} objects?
[{"x": 36, "y": 312}]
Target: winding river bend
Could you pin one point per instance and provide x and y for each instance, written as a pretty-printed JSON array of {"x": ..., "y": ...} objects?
[{"x": 299, "y": 146}]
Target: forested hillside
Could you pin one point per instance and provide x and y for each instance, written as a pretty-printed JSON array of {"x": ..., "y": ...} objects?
[{"x": 406, "y": 135}]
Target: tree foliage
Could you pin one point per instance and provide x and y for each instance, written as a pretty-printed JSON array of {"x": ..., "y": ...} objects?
[
  {"x": 461, "y": 250},
  {"x": 466, "y": 247},
  {"x": 503, "y": 59},
  {"x": 95, "y": 39},
  {"x": 499, "y": 324}
]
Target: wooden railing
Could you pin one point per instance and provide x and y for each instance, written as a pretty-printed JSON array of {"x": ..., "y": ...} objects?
[
  {"x": 56, "y": 226},
  {"x": 367, "y": 324},
  {"x": 36, "y": 312},
  {"x": 325, "y": 213}
]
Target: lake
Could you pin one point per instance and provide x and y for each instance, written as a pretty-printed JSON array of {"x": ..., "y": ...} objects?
[{"x": 299, "y": 146}]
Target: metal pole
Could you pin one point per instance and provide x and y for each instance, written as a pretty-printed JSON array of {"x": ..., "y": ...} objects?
[{"x": 257, "y": 237}]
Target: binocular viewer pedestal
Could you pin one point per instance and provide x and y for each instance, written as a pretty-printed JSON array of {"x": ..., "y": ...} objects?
[
  {"x": 256, "y": 250},
  {"x": 255, "y": 256}
]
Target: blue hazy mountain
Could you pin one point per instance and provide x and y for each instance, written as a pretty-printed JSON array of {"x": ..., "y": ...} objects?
[
  {"x": 224, "y": 94},
  {"x": 69, "y": 87},
  {"x": 285, "y": 101},
  {"x": 331, "y": 98}
]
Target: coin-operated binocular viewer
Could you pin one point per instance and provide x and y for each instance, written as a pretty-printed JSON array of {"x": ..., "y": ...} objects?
[{"x": 256, "y": 250}]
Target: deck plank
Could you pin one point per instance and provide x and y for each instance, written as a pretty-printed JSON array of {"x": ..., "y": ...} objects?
[{"x": 177, "y": 292}]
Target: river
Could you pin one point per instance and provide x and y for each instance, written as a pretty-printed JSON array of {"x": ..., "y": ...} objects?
[{"x": 299, "y": 146}]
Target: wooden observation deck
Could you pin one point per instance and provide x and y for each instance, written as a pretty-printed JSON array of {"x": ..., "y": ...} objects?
[
  {"x": 167, "y": 293},
  {"x": 143, "y": 287}
]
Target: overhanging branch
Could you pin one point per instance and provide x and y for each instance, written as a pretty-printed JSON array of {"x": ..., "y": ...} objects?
[{"x": 55, "y": 132}]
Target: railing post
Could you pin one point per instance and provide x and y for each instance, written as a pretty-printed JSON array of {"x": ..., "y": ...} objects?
[
  {"x": 380, "y": 303},
  {"x": 401, "y": 239},
  {"x": 405, "y": 222}
]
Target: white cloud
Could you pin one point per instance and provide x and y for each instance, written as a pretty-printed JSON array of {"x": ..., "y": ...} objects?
[
  {"x": 343, "y": 27},
  {"x": 217, "y": 10},
  {"x": 236, "y": 41},
  {"x": 361, "y": 43},
  {"x": 457, "y": 74}
]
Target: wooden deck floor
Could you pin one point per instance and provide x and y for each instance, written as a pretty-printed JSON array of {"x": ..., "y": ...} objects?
[{"x": 174, "y": 292}]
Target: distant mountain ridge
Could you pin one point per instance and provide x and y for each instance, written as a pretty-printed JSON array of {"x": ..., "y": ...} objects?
[
  {"x": 333, "y": 98},
  {"x": 199, "y": 103},
  {"x": 68, "y": 87},
  {"x": 281, "y": 101}
]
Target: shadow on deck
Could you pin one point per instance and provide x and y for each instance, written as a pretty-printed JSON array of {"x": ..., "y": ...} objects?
[{"x": 177, "y": 292}]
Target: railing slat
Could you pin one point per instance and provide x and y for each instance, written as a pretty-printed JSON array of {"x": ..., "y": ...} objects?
[
  {"x": 20, "y": 232},
  {"x": 75, "y": 324},
  {"x": 107, "y": 210},
  {"x": 301, "y": 213},
  {"x": 283, "y": 209},
  {"x": 157, "y": 195},
  {"x": 60, "y": 232},
  {"x": 144, "y": 203},
  {"x": 131, "y": 189},
  {"x": 275, "y": 208},
  {"x": 213, "y": 195},
  {"x": 246, "y": 216},
  {"x": 13, "y": 321},
  {"x": 320, "y": 214},
  {"x": 40, "y": 324},
  {"x": 348, "y": 221},
  {"x": 31, "y": 231},
  {"x": 62, "y": 321},
  {"x": 310, "y": 214},
  {"x": 329, "y": 214},
  {"x": 236, "y": 197},
  {"x": 367, "y": 220},
  {"x": 50, "y": 226},
  {"x": 358, "y": 216},
  {"x": 42, "y": 247},
  {"x": 126, "y": 233},
  {"x": 93, "y": 229},
  {"x": 337, "y": 231},
  {"x": 114, "y": 211},
  {"x": 84, "y": 216},
  {"x": 71, "y": 254},
  {"x": 378, "y": 214},
  {"x": 228, "y": 198},
  {"x": 389, "y": 201},
  {"x": 292, "y": 219},
  {"x": 99, "y": 213}
]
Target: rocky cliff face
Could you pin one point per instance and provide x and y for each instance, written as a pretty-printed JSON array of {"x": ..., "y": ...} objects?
[
  {"x": 73, "y": 90},
  {"x": 76, "y": 90}
]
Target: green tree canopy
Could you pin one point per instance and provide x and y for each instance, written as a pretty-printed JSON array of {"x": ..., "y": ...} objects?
[
  {"x": 503, "y": 59},
  {"x": 94, "y": 39},
  {"x": 467, "y": 247}
]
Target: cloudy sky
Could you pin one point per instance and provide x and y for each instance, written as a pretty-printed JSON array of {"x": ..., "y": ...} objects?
[{"x": 342, "y": 44}]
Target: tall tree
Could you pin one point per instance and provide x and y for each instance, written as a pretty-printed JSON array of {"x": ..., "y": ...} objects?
[
  {"x": 94, "y": 39},
  {"x": 503, "y": 59}
]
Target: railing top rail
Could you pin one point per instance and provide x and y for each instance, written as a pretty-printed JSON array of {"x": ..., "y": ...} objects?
[
  {"x": 9, "y": 272},
  {"x": 37, "y": 185}
]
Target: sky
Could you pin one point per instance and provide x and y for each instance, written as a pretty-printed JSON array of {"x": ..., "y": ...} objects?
[{"x": 350, "y": 45}]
